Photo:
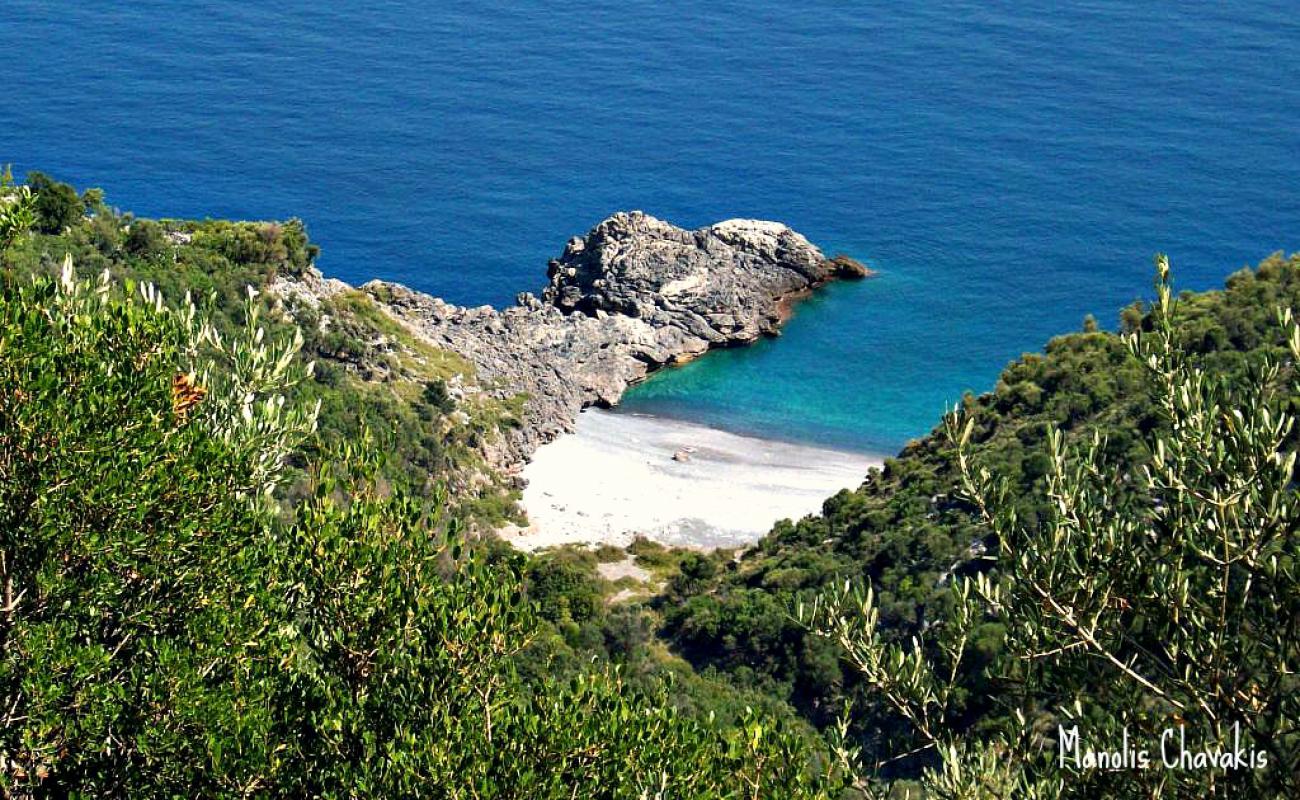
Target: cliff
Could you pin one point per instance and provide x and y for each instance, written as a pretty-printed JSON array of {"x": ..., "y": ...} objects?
[{"x": 632, "y": 295}]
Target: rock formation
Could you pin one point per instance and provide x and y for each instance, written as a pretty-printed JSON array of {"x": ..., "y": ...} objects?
[{"x": 634, "y": 294}]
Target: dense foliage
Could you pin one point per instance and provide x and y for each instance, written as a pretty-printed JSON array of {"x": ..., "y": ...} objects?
[
  {"x": 171, "y": 629},
  {"x": 370, "y": 372},
  {"x": 1155, "y": 602},
  {"x": 909, "y": 531}
]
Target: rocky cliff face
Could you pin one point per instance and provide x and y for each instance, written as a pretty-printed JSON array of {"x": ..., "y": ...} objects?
[{"x": 634, "y": 294}]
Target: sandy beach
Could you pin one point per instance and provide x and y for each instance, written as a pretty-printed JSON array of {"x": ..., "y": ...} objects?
[{"x": 616, "y": 477}]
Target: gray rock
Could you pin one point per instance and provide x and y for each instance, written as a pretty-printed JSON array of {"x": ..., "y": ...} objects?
[{"x": 631, "y": 296}]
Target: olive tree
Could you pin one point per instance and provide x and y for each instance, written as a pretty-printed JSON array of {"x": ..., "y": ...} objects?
[
  {"x": 17, "y": 213},
  {"x": 1156, "y": 606}
]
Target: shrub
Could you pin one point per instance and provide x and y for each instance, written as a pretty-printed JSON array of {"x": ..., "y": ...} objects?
[
  {"x": 145, "y": 239},
  {"x": 1158, "y": 597},
  {"x": 57, "y": 204},
  {"x": 169, "y": 630}
]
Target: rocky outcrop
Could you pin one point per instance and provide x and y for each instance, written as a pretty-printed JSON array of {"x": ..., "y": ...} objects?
[{"x": 633, "y": 295}]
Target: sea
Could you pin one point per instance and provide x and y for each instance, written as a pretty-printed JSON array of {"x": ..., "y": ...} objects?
[{"x": 1007, "y": 166}]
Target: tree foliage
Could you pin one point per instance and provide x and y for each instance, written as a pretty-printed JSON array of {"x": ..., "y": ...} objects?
[
  {"x": 370, "y": 372},
  {"x": 17, "y": 213},
  {"x": 908, "y": 531},
  {"x": 57, "y": 205},
  {"x": 1152, "y": 601},
  {"x": 170, "y": 628}
]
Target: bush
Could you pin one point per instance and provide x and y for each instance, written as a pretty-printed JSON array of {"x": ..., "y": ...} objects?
[
  {"x": 1153, "y": 600},
  {"x": 610, "y": 553},
  {"x": 565, "y": 586},
  {"x": 129, "y": 532},
  {"x": 168, "y": 630},
  {"x": 57, "y": 204},
  {"x": 145, "y": 239}
]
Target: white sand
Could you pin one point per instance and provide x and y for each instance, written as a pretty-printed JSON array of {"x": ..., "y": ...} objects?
[{"x": 616, "y": 478}]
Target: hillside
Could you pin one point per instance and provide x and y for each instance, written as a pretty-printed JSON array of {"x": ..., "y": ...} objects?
[
  {"x": 910, "y": 532},
  {"x": 424, "y": 403}
]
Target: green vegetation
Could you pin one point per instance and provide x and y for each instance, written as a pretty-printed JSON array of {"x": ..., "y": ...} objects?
[
  {"x": 17, "y": 213},
  {"x": 1106, "y": 476},
  {"x": 1158, "y": 598},
  {"x": 171, "y": 629},
  {"x": 607, "y": 553},
  {"x": 370, "y": 372}
]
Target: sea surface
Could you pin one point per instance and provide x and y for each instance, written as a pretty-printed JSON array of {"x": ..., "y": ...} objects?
[{"x": 1008, "y": 167}]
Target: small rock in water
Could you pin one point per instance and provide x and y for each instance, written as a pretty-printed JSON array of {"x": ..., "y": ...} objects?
[
  {"x": 843, "y": 266},
  {"x": 681, "y": 455}
]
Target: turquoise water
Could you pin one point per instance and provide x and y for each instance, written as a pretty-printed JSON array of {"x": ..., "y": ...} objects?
[
  {"x": 1007, "y": 166},
  {"x": 816, "y": 382}
]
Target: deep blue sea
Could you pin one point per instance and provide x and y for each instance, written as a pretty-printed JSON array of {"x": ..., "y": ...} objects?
[{"x": 1008, "y": 167}]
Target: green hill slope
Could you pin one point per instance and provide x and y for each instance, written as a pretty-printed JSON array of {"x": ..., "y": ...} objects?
[{"x": 908, "y": 532}]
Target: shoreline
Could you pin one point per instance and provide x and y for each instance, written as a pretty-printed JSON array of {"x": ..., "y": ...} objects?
[
  {"x": 669, "y": 414},
  {"x": 621, "y": 475},
  {"x": 632, "y": 295}
]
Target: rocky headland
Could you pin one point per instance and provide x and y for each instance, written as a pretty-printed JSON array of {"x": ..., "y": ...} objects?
[{"x": 632, "y": 295}]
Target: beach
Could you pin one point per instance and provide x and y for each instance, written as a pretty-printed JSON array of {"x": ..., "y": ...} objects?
[{"x": 621, "y": 475}]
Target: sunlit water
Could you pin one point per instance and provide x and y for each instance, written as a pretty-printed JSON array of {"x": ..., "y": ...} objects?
[{"x": 1007, "y": 166}]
